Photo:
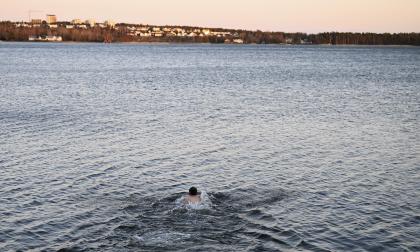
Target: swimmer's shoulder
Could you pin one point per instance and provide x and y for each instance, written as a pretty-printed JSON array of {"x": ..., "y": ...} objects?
[{"x": 193, "y": 199}]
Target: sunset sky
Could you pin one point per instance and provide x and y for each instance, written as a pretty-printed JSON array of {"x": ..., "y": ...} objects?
[{"x": 268, "y": 15}]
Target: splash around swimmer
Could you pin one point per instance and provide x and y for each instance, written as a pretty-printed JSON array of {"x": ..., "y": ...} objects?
[{"x": 193, "y": 197}]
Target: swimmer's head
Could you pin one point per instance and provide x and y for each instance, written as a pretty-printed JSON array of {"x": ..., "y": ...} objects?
[{"x": 193, "y": 191}]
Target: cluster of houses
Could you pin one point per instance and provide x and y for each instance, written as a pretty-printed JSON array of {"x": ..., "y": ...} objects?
[
  {"x": 131, "y": 30},
  {"x": 166, "y": 31},
  {"x": 89, "y": 23},
  {"x": 51, "y": 22},
  {"x": 144, "y": 31},
  {"x": 157, "y": 31}
]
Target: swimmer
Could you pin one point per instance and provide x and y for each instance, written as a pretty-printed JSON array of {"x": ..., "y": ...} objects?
[{"x": 193, "y": 197}]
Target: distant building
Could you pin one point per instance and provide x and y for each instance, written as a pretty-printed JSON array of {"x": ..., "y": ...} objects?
[
  {"x": 22, "y": 24},
  {"x": 46, "y": 38},
  {"x": 69, "y": 26},
  {"x": 305, "y": 42},
  {"x": 90, "y": 22},
  {"x": 157, "y": 34},
  {"x": 144, "y": 34},
  {"x": 36, "y": 21},
  {"x": 54, "y": 38},
  {"x": 238, "y": 41},
  {"x": 76, "y": 21},
  {"x": 206, "y": 32},
  {"x": 110, "y": 23},
  {"x": 51, "y": 19},
  {"x": 143, "y": 29},
  {"x": 220, "y": 34},
  {"x": 289, "y": 41}
]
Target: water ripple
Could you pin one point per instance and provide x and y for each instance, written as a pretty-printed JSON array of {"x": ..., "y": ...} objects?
[{"x": 296, "y": 148}]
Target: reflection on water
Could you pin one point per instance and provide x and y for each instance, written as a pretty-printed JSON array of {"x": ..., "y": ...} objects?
[{"x": 295, "y": 148}]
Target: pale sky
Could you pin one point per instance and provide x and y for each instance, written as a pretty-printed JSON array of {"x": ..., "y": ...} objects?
[{"x": 268, "y": 15}]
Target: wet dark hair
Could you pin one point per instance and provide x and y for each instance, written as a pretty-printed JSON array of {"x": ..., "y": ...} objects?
[{"x": 193, "y": 191}]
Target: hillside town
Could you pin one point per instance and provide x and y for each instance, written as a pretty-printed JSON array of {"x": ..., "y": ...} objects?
[{"x": 133, "y": 30}]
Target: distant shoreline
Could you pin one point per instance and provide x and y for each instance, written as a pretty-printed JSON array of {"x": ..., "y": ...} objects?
[
  {"x": 197, "y": 43},
  {"x": 138, "y": 33}
]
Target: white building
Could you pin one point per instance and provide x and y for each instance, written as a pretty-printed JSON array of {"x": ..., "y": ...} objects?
[
  {"x": 110, "y": 23},
  {"x": 289, "y": 41},
  {"x": 90, "y": 22},
  {"x": 178, "y": 30},
  {"x": 157, "y": 34},
  {"x": 144, "y": 34},
  {"x": 220, "y": 34},
  {"x": 54, "y": 38},
  {"x": 76, "y": 21},
  {"x": 22, "y": 24},
  {"x": 206, "y": 32},
  {"x": 51, "y": 19},
  {"x": 46, "y": 38}
]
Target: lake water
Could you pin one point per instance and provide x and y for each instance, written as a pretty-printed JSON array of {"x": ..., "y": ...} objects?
[{"x": 309, "y": 148}]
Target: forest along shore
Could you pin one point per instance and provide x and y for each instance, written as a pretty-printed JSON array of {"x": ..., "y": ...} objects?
[{"x": 122, "y": 32}]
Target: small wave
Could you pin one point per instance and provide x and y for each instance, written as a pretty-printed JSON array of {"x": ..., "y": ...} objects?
[
  {"x": 248, "y": 198},
  {"x": 205, "y": 202},
  {"x": 161, "y": 238}
]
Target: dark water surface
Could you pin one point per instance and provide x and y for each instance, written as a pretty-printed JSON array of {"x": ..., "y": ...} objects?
[{"x": 297, "y": 148}]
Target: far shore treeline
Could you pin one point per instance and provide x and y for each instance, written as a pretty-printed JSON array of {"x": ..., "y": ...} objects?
[{"x": 120, "y": 33}]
